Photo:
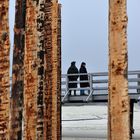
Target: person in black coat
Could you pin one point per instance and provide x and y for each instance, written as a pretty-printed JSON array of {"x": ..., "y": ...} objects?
[
  {"x": 72, "y": 70},
  {"x": 83, "y": 77}
]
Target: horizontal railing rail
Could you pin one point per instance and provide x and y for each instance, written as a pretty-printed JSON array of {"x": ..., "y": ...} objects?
[{"x": 98, "y": 83}]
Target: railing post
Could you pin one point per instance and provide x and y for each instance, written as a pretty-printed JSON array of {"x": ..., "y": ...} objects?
[
  {"x": 67, "y": 81},
  {"x": 138, "y": 90},
  {"x": 67, "y": 89},
  {"x": 90, "y": 82},
  {"x": 90, "y": 86}
]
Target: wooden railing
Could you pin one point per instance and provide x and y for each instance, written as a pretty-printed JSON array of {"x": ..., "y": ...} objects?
[{"x": 98, "y": 85}]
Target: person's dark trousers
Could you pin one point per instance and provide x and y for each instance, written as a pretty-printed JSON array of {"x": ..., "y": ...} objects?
[
  {"x": 74, "y": 92},
  {"x": 82, "y": 92}
]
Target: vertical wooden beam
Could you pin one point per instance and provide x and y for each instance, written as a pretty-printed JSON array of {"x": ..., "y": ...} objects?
[
  {"x": 18, "y": 72},
  {"x": 53, "y": 69},
  {"x": 41, "y": 70},
  {"x": 30, "y": 70},
  {"x": 59, "y": 75},
  {"x": 118, "y": 83},
  {"x": 48, "y": 76},
  {"x": 4, "y": 71},
  {"x": 54, "y": 50}
]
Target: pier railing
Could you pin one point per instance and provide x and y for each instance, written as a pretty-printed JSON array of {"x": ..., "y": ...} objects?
[{"x": 98, "y": 86}]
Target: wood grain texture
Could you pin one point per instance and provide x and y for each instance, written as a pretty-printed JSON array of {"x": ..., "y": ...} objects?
[
  {"x": 118, "y": 63},
  {"x": 36, "y": 114},
  {"x": 4, "y": 71},
  {"x": 52, "y": 111},
  {"x": 18, "y": 72},
  {"x": 41, "y": 70},
  {"x": 30, "y": 70},
  {"x": 59, "y": 76}
]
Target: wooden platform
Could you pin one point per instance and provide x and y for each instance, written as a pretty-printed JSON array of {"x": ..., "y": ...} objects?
[{"x": 98, "y": 88}]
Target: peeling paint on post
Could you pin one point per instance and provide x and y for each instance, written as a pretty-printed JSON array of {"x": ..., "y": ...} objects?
[
  {"x": 18, "y": 72},
  {"x": 4, "y": 71},
  {"x": 118, "y": 84}
]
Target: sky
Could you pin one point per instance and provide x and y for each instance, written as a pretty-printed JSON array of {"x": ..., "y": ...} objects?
[
  {"x": 85, "y": 33},
  {"x": 11, "y": 26}
]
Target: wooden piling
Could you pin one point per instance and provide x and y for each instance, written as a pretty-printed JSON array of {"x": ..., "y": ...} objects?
[
  {"x": 4, "y": 71},
  {"x": 118, "y": 100},
  {"x": 42, "y": 71},
  {"x": 18, "y": 72},
  {"x": 52, "y": 113},
  {"x": 30, "y": 71}
]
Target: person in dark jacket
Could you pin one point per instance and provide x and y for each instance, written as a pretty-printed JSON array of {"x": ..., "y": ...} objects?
[
  {"x": 72, "y": 70},
  {"x": 83, "y": 77}
]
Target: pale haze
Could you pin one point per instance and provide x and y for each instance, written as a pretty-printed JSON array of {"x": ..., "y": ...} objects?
[{"x": 85, "y": 33}]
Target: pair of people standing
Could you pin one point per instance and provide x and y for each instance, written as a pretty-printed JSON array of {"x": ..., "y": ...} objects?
[{"x": 73, "y": 70}]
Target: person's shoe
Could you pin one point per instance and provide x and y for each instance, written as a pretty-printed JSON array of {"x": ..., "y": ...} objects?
[{"x": 82, "y": 94}]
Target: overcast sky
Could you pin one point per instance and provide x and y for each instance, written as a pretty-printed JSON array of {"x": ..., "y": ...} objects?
[{"x": 85, "y": 33}]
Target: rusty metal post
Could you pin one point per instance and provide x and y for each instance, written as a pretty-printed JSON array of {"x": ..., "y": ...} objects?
[
  {"x": 4, "y": 71},
  {"x": 52, "y": 130},
  {"x": 118, "y": 83},
  {"x": 18, "y": 72}
]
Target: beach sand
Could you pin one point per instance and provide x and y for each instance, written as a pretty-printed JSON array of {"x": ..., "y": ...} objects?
[{"x": 90, "y": 122}]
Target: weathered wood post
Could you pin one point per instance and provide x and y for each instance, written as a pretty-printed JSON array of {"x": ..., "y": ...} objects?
[
  {"x": 4, "y": 71},
  {"x": 36, "y": 79},
  {"x": 59, "y": 127},
  {"x": 33, "y": 70},
  {"x": 42, "y": 71},
  {"x": 118, "y": 85},
  {"x": 52, "y": 96},
  {"x": 18, "y": 72}
]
